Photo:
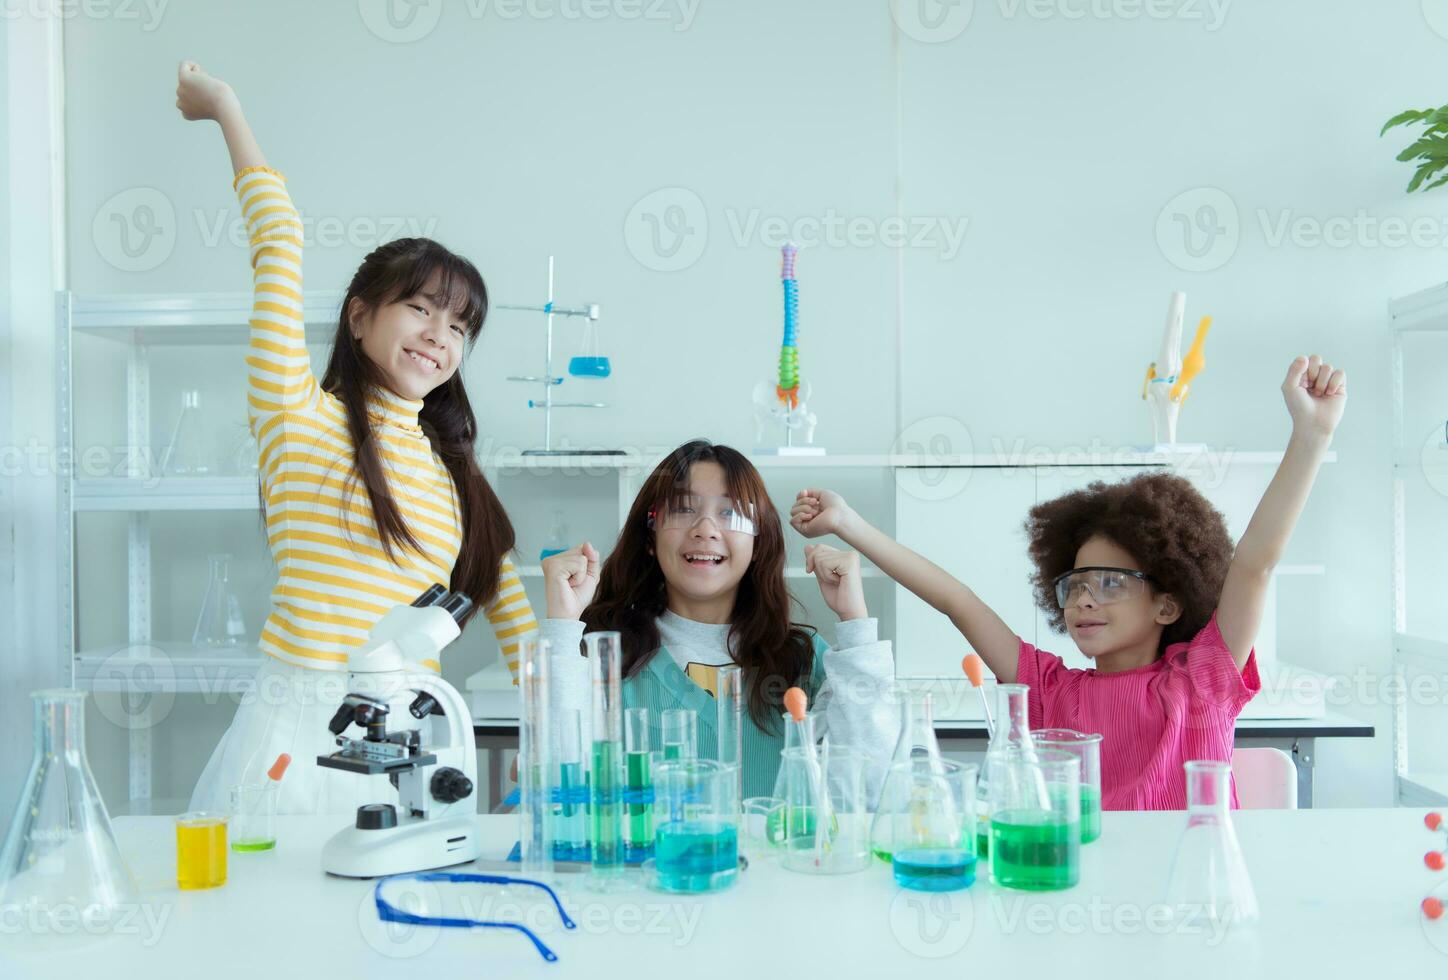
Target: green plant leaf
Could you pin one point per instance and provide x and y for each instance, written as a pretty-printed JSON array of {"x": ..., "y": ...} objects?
[
  {"x": 1411, "y": 115},
  {"x": 1437, "y": 183}
]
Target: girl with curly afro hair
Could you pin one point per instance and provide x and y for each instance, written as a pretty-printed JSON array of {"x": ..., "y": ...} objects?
[{"x": 1143, "y": 576}]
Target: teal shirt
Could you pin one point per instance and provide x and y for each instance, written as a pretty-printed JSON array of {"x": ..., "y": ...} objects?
[{"x": 662, "y": 685}]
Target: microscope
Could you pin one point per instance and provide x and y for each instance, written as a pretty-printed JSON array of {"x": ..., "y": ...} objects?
[{"x": 432, "y": 767}]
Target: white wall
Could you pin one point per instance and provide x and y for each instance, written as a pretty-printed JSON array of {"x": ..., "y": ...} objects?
[{"x": 1058, "y": 139}]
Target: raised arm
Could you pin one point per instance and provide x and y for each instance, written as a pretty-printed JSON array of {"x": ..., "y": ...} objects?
[
  {"x": 279, "y": 376},
  {"x": 819, "y": 512},
  {"x": 1316, "y": 396}
]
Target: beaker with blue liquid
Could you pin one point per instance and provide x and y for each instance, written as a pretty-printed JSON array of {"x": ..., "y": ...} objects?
[{"x": 696, "y": 827}]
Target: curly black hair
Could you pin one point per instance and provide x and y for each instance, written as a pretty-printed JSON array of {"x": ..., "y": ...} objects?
[{"x": 1167, "y": 526}]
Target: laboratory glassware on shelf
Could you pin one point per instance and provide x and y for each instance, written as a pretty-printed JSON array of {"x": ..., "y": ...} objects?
[
  {"x": 557, "y": 542},
  {"x": 220, "y": 623},
  {"x": 1208, "y": 883},
  {"x": 187, "y": 452},
  {"x": 60, "y": 860},
  {"x": 589, "y": 364}
]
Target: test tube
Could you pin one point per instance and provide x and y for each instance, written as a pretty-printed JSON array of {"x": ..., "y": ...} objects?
[
  {"x": 569, "y": 792},
  {"x": 730, "y": 708},
  {"x": 679, "y": 734},
  {"x": 639, "y": 797},
  {"x": 607, "y": 774},
  {"x": 535, "y": 824}
]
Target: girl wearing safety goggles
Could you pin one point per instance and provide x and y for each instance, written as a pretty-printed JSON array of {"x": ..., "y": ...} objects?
[
  {"x": 1143, "y": 576},
  {"x": 695, "y": 582}
]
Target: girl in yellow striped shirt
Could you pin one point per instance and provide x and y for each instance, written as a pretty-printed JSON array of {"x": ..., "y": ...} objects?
[{"x": 370, "y": 485}]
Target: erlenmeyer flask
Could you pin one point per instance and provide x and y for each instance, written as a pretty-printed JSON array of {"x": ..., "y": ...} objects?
[
  {"x": 1208, "y": 885},
  {"x": 589, "y": 363},
  {"x": 186, "y": 453},
  {"x": 60, "y": 859},
  {"x": 1009, "y": 740},
  {"x": 793, "y": 739},
  {"x": 915, "y": 750},
  {"x": 220, "y": 623},
  {"x": 557, "y": 542}
]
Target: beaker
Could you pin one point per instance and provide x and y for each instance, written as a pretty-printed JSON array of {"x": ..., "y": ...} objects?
[
  {"x": 60, "y": 857},
  {"x": 696, "y": 827},
  {"x": 1035, "y": 820},
  {"x": 916, "y": 744},
  {"x": 557, "y": 541},
  {"x": 219, "y": 623},
  {"x": 638, "y": 836},
  {"x": 927, "y": 824},
  {"x": 253, "y": 816},
  {"x": 826, "y": 816},
  {"x": 679, "y": 734},
  {"x": 589, "y": 363},
  {"x": 200, "y": 850},
  {"x": 761, "y": 827},
  {"x": 1086, "y": 747},
  {"x": 186, "y": 454},
  {"x": 1208, "y": 884}
]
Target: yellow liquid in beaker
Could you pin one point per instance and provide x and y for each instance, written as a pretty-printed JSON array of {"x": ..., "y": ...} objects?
[{"x": 200, "y": 852}]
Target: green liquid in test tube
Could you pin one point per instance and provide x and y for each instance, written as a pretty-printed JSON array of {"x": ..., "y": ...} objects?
[
  {"x": 608, "y": 777},
  {"x": 639, "y": 831}
]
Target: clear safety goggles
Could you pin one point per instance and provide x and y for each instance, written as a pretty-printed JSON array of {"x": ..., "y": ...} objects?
[
  {"x": 1104, "y": 585},
  {"x": 689, "y": 509}
]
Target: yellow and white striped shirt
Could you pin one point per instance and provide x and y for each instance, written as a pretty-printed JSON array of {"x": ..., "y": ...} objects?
[{"x": 335, "y": 579}]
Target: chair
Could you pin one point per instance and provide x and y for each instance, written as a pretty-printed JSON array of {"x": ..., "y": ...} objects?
[{"x": 1266, "y": 779}]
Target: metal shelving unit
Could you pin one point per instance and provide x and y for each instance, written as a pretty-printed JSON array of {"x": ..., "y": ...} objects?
[{"x": 1425, "y": 311}]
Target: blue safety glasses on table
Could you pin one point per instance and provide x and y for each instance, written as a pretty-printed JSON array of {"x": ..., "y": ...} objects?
[
  {"x": 688, "y": 509},
  {"x": 1104, "y": 585},
  {"x": 388, "y": 912}
]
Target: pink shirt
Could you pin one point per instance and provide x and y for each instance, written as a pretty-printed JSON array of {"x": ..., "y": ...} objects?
[{"x": 1183, "y": 706}]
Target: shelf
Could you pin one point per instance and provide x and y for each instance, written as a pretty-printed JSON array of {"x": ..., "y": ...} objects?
[
  {"x": 1422, "y": 459},
  {"x": 1423, "y": 789},
  {"x": 1422, "y": 312},
  {"x": 167, "y": 493},
  {"x": 1421, "y": 651},
  {"x": 175, "y": 668},
  {"x": 205, "y": 319}
]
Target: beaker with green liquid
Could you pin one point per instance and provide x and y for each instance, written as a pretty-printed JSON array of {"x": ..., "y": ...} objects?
[
  {"x": 1086, "y": 747},
  {"x": 1035, "y": 820}
]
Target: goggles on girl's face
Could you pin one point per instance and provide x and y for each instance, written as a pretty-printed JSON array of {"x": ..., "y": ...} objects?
[
  {"x": 1104, "y": 585},
  {"x": 689, "y": 509}
]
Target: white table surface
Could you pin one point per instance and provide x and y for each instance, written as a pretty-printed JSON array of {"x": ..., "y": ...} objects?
[{"x": 1339, "y": 890}]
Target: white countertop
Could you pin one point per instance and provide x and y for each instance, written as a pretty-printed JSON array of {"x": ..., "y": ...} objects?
[{"x": 1339, "y": 891}]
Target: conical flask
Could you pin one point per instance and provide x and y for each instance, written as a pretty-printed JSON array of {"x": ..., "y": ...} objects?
[
  {"x": 916, "y": 751},
  {"x": 796, "y": 736},
  {"x": 186, "y": 453},
  {"x": 219, "y": 623},
  {"x": 60, "y": 861},
  {"x": 1208, "y": 885},
  {"x": 1010, "y": 740}
]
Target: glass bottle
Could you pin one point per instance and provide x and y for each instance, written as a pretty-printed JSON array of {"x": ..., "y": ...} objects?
[
  {"x": 1208, "y": 885},
  {"x": 557, "y": 542},
  {"x": 60, "y": 860}
]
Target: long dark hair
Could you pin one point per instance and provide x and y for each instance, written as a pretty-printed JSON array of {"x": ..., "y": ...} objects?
[
  {"x": 396, "y": 270},
  {"x": 774, "y": 652}
]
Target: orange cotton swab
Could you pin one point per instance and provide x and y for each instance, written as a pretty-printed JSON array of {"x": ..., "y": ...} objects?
[{"x": 974, "y": 669}]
